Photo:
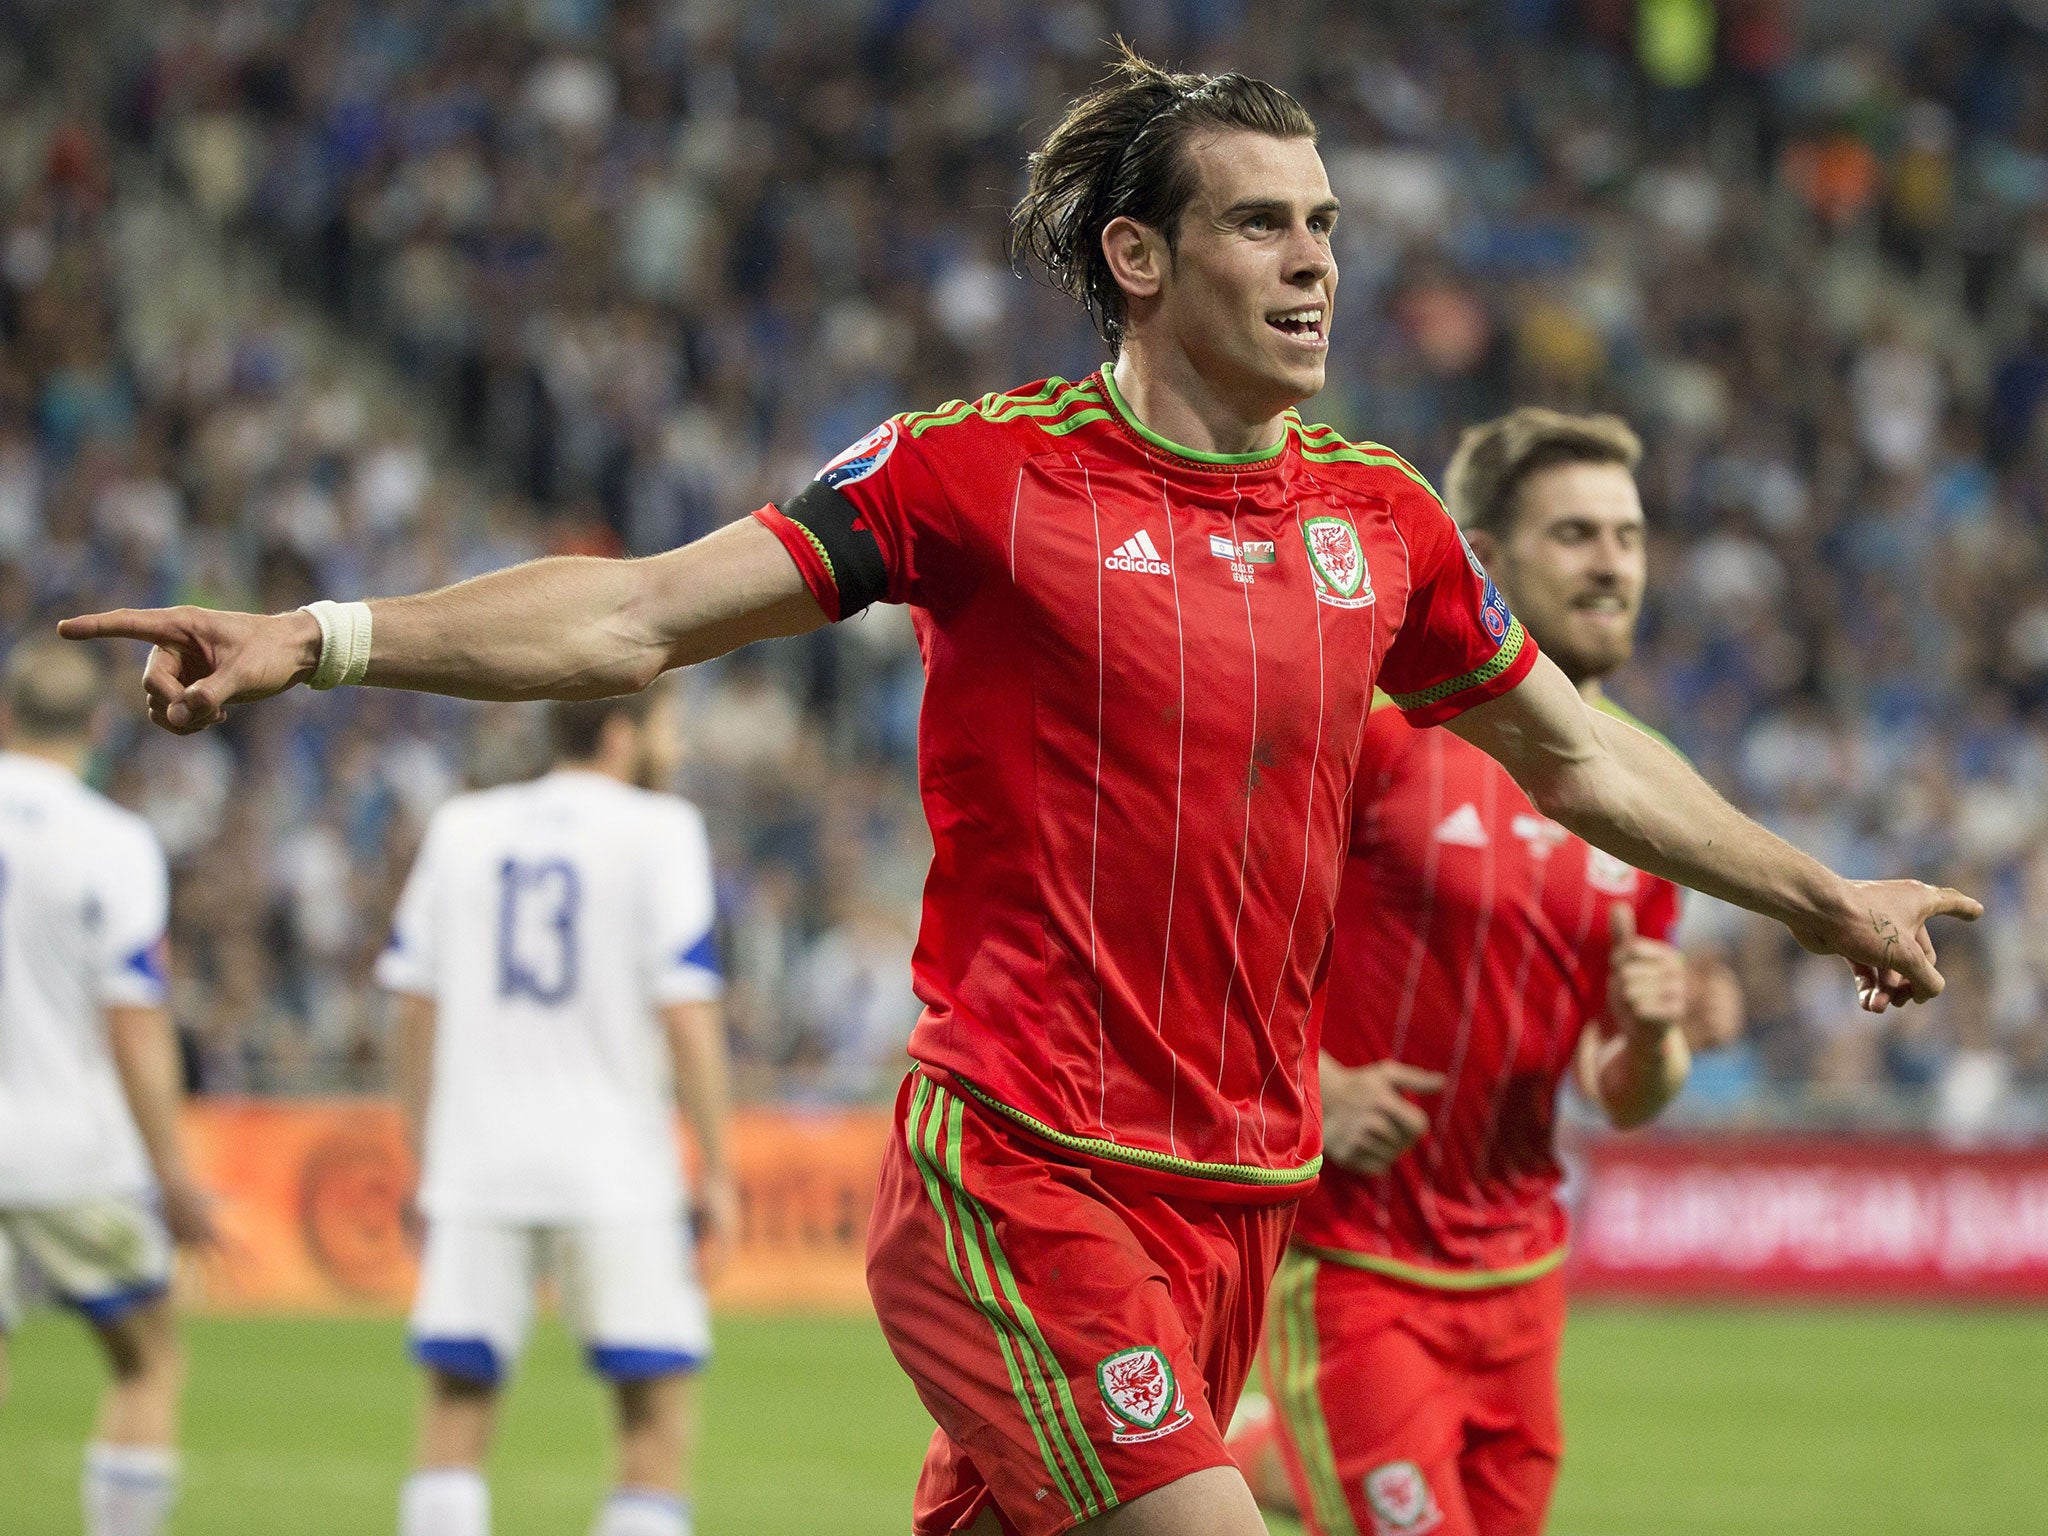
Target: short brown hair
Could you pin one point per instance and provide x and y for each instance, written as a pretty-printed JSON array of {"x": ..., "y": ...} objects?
[
  {"x": 575, "y": 726},
  {"x": 52, "y": 689},
  {"x": 1495, "y": 459},
  {"x": 1120, "y": 152}
]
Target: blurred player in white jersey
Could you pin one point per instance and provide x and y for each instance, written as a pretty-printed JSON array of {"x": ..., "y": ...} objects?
[
  {"x": 557, "y": 994},
  {"x": 93, "y": 1183}
]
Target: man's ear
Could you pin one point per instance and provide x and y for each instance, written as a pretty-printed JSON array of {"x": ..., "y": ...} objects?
[
  {"x": 1137, "y": 257},
  {"x": 1484, "y": 545}
]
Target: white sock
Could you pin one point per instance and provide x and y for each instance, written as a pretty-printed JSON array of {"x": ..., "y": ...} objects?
[
  {"x": 642, "y": 1512},
  {"x": 444, "y": 1501},
  {"x": 127, "y": 1489}
]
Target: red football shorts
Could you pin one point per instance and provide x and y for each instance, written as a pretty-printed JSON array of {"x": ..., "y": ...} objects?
[
  {"x": 1404, "y": 1409},
  {"x": 1080, "y": 1338}
]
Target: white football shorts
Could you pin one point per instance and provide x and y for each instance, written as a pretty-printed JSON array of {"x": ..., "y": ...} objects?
[
  {"x": 629, "y": 1289},
  {"x": 105, "y": 1256}
]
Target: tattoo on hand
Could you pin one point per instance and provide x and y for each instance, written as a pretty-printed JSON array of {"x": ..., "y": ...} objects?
[{"x": 1888, "y": 931}]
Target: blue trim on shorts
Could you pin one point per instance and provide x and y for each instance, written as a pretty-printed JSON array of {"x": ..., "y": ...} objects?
[
  {"x": 466, "y": 1359},
  {"x": 626, "y": 1362},
  {"x": 107, "y": 1310}
]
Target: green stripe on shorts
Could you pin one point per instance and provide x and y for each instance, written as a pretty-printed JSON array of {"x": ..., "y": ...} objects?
[
  {"x": 987, "y": 1280},
  {"x": 1291, "y": 1335}
]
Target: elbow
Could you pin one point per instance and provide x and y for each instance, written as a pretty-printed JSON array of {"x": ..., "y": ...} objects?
[
  {"x": 1568, "y": 795},
  {"x": 640, "y": 672}
]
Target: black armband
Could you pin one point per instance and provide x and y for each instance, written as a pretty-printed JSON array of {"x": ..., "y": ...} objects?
[{"x": 848, "y": 547}]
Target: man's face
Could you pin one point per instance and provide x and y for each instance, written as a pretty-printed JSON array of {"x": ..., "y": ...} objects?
[
  {"x": 1572, "y": 565},
  {"x": 1248, "y": 293}
]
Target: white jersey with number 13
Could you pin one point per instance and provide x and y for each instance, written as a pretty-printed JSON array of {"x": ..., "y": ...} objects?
[{"x": 549, "y": 922}]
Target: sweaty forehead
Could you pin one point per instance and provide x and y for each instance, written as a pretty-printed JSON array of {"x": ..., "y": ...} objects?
[{"x": 1235, "y": 165}]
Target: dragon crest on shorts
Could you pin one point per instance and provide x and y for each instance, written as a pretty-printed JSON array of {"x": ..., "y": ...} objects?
[
  {"x": 1401, "y": 1501},
  {"x": 1142, "y": 1395}
]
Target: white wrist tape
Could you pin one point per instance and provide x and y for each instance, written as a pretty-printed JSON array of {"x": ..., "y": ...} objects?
[{"x": 344, "y": 643}]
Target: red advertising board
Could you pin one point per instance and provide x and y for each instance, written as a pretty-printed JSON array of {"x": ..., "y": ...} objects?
[{"x": 1810, "y": 1217}]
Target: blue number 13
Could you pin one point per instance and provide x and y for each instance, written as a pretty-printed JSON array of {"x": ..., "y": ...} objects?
[{"x": 537, "y": 929}]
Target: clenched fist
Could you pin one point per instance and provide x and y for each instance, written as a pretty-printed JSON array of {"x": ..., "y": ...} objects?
[{"x": 1646, "y": 981}]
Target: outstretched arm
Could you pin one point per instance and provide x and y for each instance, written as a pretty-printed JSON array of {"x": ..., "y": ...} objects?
[
  {"x": 1626, "y": 792},
  {"x": 570, "y": 627}
]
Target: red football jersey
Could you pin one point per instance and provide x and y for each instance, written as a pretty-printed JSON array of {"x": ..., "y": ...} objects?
[
  {"x": 1472, "y": 939},
  {"x": 1148, "y": 674}
]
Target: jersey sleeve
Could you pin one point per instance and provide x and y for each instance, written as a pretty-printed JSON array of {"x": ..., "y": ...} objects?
[
  {"x": 408, "y": 962},
  {"x": 1458, "y": 644},
  {"x": 133, "y": 963},
  {"x": 680, "y": 948},
  {"x": 877, "y": 525}
]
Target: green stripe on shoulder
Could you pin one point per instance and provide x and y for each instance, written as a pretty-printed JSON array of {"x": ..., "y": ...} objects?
[
  {"x": 1047, "y": 404},
  {"x": 1321, "y": 444}
]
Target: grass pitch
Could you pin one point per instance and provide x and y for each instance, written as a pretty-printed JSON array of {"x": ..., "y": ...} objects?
[{"x": 1682, "y": 1422}]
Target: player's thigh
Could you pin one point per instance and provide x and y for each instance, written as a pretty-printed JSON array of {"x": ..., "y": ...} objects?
[
  {"x": 1369, "y": 1415},
  {"x": 1212, "y": 1502},
  {"x": 632, "y": 1294},
  {"x": 1516, "y": 1436},
  {"x": 109, "y": 1257},
  {"x": 474, "y": 1305},
  {"x": 1037, "y": 1330}
]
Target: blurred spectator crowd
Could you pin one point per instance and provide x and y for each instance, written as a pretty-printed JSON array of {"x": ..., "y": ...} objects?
[{"x": 630, "y": 269}]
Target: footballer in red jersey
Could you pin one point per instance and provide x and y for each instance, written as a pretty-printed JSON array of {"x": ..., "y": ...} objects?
[
  {"x": 1480, "y": 951},
  {"x": 1153, "y": 606}
]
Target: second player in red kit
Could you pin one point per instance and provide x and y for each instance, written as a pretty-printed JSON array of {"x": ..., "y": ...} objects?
[{"x": 1480, "y": 950}]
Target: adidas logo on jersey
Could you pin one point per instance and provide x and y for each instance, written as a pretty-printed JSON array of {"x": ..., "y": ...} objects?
[
  {"x": 1463, "y": 828},
  {"x": 1139, "y": 553}
]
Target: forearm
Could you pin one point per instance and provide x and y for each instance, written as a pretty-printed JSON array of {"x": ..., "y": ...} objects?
[
  {"x": 1640, "y": 801},
  {"x": 575, "y": 627},
  {"x": 145, "y": 1051},
  {"x": 570, "y": 627},
  {"x": 1639, "y": 1073},
  {"x": 413, "y": 1067},
  {"x": 696, "y": 1034}
]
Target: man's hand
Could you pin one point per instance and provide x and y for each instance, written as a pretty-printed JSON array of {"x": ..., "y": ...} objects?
[
  {"x": 188, "y": 1214},
  {"x": 1646, "y": 989},
  {"x": 1367, "y": 1123},
  {"x": 205, "y": 660},
  {"x": 716, "y": 1219},
  {"x": 1881, "y": 930}
]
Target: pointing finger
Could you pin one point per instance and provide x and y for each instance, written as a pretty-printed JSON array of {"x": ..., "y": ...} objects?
[
  {"x": 159, "y": 626},
  {"x": 1953, "y": 903}
]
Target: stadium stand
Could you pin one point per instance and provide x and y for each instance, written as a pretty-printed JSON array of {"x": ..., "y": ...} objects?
[{"x": 622, "y": 271}]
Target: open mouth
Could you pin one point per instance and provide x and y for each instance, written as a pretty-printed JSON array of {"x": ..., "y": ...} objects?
[
  {"x": 1306, "y": 325},
  {"x": 1605, "y": 604}
]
